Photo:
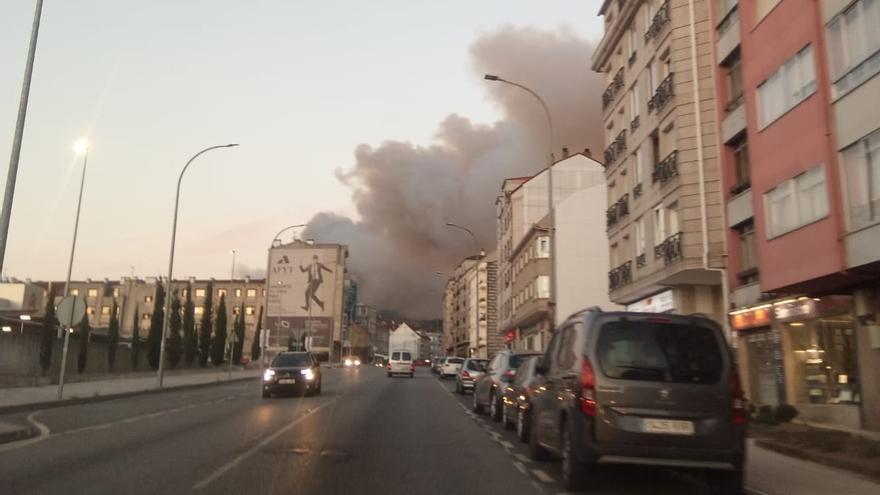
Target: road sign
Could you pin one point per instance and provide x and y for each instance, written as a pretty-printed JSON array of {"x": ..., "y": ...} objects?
[{"x": 70, "y": 311}]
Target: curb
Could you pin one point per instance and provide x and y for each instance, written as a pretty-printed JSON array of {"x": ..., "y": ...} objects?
[
  {"x": 798, "y": 453},
  {"x": 22, "y": 433},
  {"x": 101, "y": 398}
]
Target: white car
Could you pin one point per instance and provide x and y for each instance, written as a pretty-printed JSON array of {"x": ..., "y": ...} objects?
[
  {"x": 450, "y": 367},
  {"x": 401, "y": 363}
]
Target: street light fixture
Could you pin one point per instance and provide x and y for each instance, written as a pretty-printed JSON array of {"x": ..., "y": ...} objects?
[
  {"x": 480, "y": 250},
  {"x": 232, "y": 271},
  {"x": 550, "y": 208},
  {"x": 167, "y": 314},
  {"x": 277, "y": 236}
]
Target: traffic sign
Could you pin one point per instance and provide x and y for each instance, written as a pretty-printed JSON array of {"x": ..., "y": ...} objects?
[{"x": 70, "y": 311}]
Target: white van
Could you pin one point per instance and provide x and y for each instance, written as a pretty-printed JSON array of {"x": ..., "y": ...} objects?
[{"x": 401, "y": 363}]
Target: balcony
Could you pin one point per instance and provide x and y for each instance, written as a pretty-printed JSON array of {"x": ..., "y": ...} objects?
[
  {"x": 661, "y": 97},
  {"x": 616, "y": 148},
  {"x": 613, "y": 89},
  {"x": 734, "y": 122},
  {"x": 666, "y": 169},
  {"x": 634, "y": 124},
  {"x": 620, "y": 276},
  {"x": 637, "y": 190},
  {"x": 632, "y": 58},
  {"x": 618, "y": 210},
  {"x": 669, "y": 250},
  {"x": 661, "y": 19},
  {"x": 641, "y": 260}
]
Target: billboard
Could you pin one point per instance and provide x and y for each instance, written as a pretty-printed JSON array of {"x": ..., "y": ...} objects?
[{"x": 304, "y": 294}]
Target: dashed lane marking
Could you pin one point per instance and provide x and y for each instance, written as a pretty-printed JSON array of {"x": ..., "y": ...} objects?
[
  {"x": 543, "y": 476},
  {"x": 521, "y": 457},
  {"x": 506, "y": 444},
  {"x": 520, "y": 467}
]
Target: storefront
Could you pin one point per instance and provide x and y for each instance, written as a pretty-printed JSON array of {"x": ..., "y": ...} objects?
[
  {"x": 662, "y": 302},
  {"x": 759, "y": 351}
]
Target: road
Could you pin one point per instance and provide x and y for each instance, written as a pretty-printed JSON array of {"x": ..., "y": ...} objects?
[{"x": 365, "y": 433}]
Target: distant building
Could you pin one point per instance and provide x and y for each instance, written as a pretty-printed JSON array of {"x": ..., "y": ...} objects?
[{"x": 404, "y": 338}]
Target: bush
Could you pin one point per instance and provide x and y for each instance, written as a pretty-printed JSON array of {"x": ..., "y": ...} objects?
[
  {"x": 867, "y": 448},
  {"x": 785, "y": 413}
]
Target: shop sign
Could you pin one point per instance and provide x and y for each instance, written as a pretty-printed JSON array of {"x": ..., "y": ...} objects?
[
  {"x": 510, "y": 336},
  {"x": 658, "y": 303},
  {"x": 749, "y": 318},
  {"x": 800, "y": 308}
]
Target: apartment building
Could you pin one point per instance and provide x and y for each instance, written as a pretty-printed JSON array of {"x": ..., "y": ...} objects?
[
  {"x": 664, "y": 218},
  {"x": 469, "y": 312},
  {"x": 449, "y": 326},
  {"x": 530, "y": 288}
]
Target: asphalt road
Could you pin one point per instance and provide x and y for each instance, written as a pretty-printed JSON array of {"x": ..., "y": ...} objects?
[{"x": 365, "y": 433}]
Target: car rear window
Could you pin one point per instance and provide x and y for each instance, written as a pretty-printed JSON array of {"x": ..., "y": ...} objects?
[
  {"x": 284, "y": 360},
  {"x": 407, "y": 356},
  {"x": 395, "y": 356},
  {"x": 659, "y": 352},
  {"x": 476, "y": 365},
  {"x": 455, "y": 361},
  {"x": 518, "y": 359}
]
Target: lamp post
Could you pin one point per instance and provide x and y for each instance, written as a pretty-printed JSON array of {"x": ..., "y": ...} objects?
[
  {"x": 480, "y": 250},
  {"x": 81, "y": 148},
  {"x": 232, "y": 271},
  {"x": 166, "y": 316},
  {"x": 550, "y": 208}
]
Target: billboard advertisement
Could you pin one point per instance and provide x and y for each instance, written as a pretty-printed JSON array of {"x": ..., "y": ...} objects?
[{"x": 304, "y": 295}]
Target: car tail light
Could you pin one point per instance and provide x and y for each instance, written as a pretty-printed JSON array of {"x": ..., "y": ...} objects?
[
  {"x": 465, "y": 374},
  {"x": 738, "y": 402},
  {"x": 389, "y": 366},
  {"x": 509, "y": 374},
  {"x": 412, "y": 367},
  {"x": 588, "y": 388}
]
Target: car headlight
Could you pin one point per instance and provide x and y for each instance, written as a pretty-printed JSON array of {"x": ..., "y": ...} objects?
[
  {"x": 357, "y": 362},
  {"x": 348, "y": 362},
  {"x": 308, "y": 374},
  {"x": 268, "y": 375}
]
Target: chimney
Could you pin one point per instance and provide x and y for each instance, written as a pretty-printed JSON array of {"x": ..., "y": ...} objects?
[
  {"x": 588, "y": 153},
  {"x": 564, "y": 152}
]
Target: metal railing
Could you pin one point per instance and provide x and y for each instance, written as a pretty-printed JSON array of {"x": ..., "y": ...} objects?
[
  {"x": 660, "y": 20},
  {"x": 613, "y": 89},
  {"x": 616, "y": 148},
  {"x": 634, "y": 124},
  {"x": 662, "y": 95},
  {"x": 666, "y": 169},
  {"x": 669, "y": 250},
  {"x": 637, "y": 190},
  {"x": 618, "y": 210},
  {"x": 641, "y": 260},
  {"x": 620, "y": 276}
]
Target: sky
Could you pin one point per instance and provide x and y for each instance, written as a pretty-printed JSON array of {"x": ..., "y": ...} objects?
[{"x": 300, "y": 85}]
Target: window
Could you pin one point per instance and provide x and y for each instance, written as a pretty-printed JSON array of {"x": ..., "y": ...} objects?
[
  {"x": 74, "y": 292},
  {"x": 252, "y": 292},
  {"x": 741, "y": 165},
  {"x": 249, "y": 310},
  {"x": 861, "y": 166},
  {"x": 90, "y": 310},
  {"x": 640, "y": 235},
  {"x": 796, "y": 202},
  {"x": 659, "y": 225},
  {"x": 146, "y": 316},
  {"x": 763, "y": 8},
  {"x": 853, "y": 45},
  {"x": 748, "y": 253},
  {"x": 650, "y": 11},
  {"x": 200, "y": 292},
  {"x": 734, "y": 83},
  {"x": 93, "y": 292},
  {"x": 640, "y": 165},
  {"x": 543, "y": 286},
  {"x": 237, "y": 292},
  {"x": 789, "y": 85},
  {"x": 634, "y": 102},
  {"x": 148, "y": 299},
  {"x": 567, "y": 353},
  {"x": 655, "y": 148},
  {"x": 105, "y": 310},
  {"x": 116, "y": 292},
  {"x": 543, "y": 247},
  {"x": 632, "y": 40},
  {"x": 654, "y": 73},
  {"x": 236, "y": 310},
  {"x": 221, "y": 292},
  {"x": 184, "y": 292},
  {"x": 199, "y": 310}
]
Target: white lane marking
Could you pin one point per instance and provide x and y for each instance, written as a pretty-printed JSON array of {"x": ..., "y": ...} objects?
[
  {"x": 236, "y": 461},
  {"x": 522, "y": 458},
  {"x": 44, "y": 434},
  {"x": 506, "y": 444},
  {"x": 521, "y": 467},
  {"x": 543, "y": 476},
  {"x": 754, "y": 491}
]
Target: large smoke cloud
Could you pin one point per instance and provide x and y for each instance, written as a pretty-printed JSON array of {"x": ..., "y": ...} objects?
[{"x": 406, "y": 193}]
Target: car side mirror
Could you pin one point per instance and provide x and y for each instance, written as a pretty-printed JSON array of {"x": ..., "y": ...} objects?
[{"x": 541, "y": 367}]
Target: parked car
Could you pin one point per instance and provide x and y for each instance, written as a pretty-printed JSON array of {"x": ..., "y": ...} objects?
[
  {"x": 517, "y": 399},
  {"x": 640, "y": 388},
  {"x": 489, "y": 387},
  {"x": 471, "y": 369},
  {"x": 436, "y": 364},
  {"x": 292, "y": 372},
  {"x": 401, "y": 363},
  {"x": 450, "y": 367}
]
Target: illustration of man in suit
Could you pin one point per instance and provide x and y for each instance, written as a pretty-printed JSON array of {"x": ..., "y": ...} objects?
[{"x": 316, "y": 278}]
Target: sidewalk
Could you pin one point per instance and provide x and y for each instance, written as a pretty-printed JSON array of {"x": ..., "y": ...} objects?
[
  {"x": 20, "y": 397},
  {"x": 775, "y": 474}
]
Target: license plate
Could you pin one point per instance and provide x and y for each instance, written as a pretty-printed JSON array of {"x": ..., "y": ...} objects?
[
  {"x": 285, "y": 381},
  {"x": 668, "y": 426}
]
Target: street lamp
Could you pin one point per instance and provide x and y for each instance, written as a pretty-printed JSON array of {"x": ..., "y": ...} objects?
[
  {"x": 81, "y": 148},
  {"x": 551, "y": 210},
  {"x": 277, "y": 236},
  {"x": 167, "y": 315},
  {"x": 474, "y": 237},
  {"x": 232, "y": 272}
]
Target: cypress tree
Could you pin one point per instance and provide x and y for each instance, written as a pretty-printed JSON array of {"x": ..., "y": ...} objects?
[
  {"x": 238, "y": 348},
  {"x": 218, "y": 343},
  {"x": 190, "y": 339},
  {"x": 205, "y": 328},
  {"x": 85, "y": 331},
  {"x": 113, "y": 336},
  {"x": 135, "y": 341},
  {"x": 47, "y": 336},
  {"x": 174, "y": 344},
  {"x": 154, "y": 338},
  {"x": 255, "y": 344}
]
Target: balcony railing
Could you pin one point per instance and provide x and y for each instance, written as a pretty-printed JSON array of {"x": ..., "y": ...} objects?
[
  {"x": 618, "y": 210},
  {"x": 661, "y": 97},
  {"x": 661, "y": 19},
  {"x": 632, "y": 58},
  {"x": 616, "y": 148},
  {"x": 634, "y": 124},
  {"x": 620, "y": 276},
  {"x": 669, "y": 250},
  {"x": 613, "y": 89},
  {"x": 641, "y": 260},
  {"x": 637, "y": 190},
  {"x": 666, "y": 169}
]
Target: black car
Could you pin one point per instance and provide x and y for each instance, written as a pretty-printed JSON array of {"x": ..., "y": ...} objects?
[
  {"x": 517, "y": 399},
  {"x": 640, "y": 389},
  {"x": 297, "y": 372},
  {"x": 489, "y": 387}
]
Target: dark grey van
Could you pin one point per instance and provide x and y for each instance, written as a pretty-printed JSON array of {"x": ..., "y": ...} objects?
[{"x": 640, "y": 389}]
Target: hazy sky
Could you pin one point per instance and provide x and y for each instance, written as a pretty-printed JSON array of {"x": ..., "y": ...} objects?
[{"x": 299, "y": 84}]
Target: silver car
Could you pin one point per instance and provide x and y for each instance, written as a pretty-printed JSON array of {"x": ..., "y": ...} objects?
[{"x": 472, "y": 369}]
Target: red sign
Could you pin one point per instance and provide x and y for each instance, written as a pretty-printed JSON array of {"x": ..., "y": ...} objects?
[
  {"x": 750, "y": 318},
  {"x": 510, "y": 336}
]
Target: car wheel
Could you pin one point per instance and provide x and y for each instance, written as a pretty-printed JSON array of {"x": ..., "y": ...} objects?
[
  {"x": 522, "y": 425},
  {"x": 506, "y": 419},
  {"x": 573, "y": 471},
  {"x": 477, "y": 407},
  {"x": 458, "y": 388},
  {"x": 726, "y": 482},
  {"x": 494, "y": 407},
  {"x": 536, "y": 451},
  {"x": 389, "y": 375},
  {"x": 318, "y": 388},
  {"x": 266, "y": 394}
]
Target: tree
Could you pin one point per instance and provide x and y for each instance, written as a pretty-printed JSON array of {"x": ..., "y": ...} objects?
[
  {"x": 206, "y": 327},
  {"x": 154, "y": 338},
  {"x": 85, "y": 332},
  {"x": 255, "y": 345},
  {"x": 174, "y": 344},
  {"x": 47, "y": 337},
  {"x": 113, "y": 336},
  {"x": 135, "y": 341},
  {"x": 218, "y": 342},
  {"x": 190, "y": 339},
  {"x": 238, "y": 348}
]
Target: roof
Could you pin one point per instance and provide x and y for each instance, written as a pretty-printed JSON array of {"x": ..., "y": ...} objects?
[{"x": 583, "y": 154}]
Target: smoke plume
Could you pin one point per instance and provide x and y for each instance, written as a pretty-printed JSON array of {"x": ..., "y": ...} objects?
[{"x": 406, "y": 193}]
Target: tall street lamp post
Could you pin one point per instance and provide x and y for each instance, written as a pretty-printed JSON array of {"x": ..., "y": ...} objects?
[
  {"x": 167, "y": 314},
  {"x": 480, "y": 250},
  {"x": 551, "y": 209},
  {"x": 81, "y": 147}
]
